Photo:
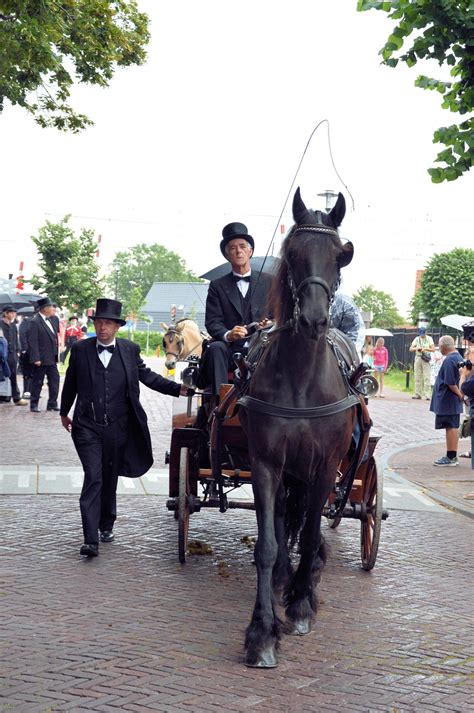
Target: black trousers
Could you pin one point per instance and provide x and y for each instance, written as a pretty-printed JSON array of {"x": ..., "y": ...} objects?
[
  {"x": 216, "y": 363},
  {"x": 100, "y": 450},
  {"x": 27, "y": 371},
  {"x": 13, "y": 364},
  {"x": 52, "y": 374}
]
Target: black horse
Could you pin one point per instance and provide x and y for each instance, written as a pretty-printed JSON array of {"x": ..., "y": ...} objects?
[{"x": 299, "y": 420}]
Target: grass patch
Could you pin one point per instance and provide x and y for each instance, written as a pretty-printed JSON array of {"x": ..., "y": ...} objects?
[{"x": 396, "y": 379}]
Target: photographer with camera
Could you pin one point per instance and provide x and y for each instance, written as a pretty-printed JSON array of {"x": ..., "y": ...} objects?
[
  {"x": 423, "y": 346},
  {"x": 466, "y": 384},
  {"x": 447, "y": 400}
]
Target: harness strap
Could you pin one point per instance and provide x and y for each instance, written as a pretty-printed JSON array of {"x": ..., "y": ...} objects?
[{"x": 253, "y": 404}]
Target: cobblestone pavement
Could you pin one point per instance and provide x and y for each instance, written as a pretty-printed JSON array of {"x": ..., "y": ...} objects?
[{"x": 133, "y": 630}]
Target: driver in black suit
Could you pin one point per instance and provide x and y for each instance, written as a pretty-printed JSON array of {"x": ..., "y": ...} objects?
[{"x": 234, "y": 301}]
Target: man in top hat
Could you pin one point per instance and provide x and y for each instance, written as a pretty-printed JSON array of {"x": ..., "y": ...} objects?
[
  {"x": 43, "y": 351},
  {"x": 109, "y": 426},
  {"x": 423, "y": 346},
  {"x": 9, "y": 330},
  {"x": 234, "y": 301}
]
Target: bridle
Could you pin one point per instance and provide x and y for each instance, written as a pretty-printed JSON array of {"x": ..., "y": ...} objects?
[
  {"x": 180, "y": 343},
  {"x": 313, "y": 279}
]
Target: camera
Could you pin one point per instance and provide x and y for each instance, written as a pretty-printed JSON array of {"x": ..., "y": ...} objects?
[{"x": 467, "y": 363}]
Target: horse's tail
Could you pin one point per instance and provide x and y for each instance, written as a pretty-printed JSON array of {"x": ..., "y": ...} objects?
[{"x": 296, "y": 503}]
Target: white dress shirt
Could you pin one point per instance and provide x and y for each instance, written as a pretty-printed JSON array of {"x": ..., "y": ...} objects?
[
  {"x": 105, "y": 356},
  {"x": 48, "y": 323}
]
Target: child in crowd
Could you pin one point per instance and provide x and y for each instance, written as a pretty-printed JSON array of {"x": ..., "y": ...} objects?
[{"x": 380, "y": 363}]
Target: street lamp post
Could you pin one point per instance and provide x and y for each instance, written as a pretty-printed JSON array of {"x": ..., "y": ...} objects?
[
  {"x": 330, "y": 197},
  {"x": 116, "y": 268}
]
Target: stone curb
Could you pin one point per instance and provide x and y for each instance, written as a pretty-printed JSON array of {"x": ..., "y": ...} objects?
[{"x": 445, "y": 500}]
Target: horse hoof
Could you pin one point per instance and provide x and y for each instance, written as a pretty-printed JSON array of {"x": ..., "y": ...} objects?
[
  {"x": 266, "y": 659},
  {"x": 301, "y": 627}
]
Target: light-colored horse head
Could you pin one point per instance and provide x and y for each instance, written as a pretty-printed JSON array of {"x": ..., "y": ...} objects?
[{"x": 181, "y": 340}]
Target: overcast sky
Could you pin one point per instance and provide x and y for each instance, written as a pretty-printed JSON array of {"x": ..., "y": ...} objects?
[{"x": 212, "y": 128}]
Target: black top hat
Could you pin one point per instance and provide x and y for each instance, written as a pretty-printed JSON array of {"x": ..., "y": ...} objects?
[
  {"x": 233, "y": 231},
  {"x": 9, "y": 308},
  {"x": 109, "y": 309},
  {"x": 45, "y": 302}
]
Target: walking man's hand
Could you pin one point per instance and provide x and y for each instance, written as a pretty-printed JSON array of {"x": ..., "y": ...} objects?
[{"x": 67, "y": 423}]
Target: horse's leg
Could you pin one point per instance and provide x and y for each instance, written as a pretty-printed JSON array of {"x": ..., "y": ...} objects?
[
  {"x": 263, "y": 632},
  {"x": 282, "y": 570},
  {"x": 300, "y": 596}
]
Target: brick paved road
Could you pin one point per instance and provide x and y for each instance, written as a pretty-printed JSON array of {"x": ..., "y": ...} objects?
[{"x": 135, "y": 631}]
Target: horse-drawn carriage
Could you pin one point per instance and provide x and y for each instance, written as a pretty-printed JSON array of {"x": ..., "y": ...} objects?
[{"x": 298, "y": 431}]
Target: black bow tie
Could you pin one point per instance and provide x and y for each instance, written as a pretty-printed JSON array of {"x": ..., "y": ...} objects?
[
  {"x": 237, "y": 278},
  {"x": 101, "y": 348}
]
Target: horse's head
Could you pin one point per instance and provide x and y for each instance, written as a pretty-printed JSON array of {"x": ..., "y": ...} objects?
[
  {"x": 181, "y": 340},
  {"x": 312, "y": 257},
  {"x": 173, "y": 345}
]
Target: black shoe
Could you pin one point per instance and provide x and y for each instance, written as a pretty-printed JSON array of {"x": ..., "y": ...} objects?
[
  {"x": 106, "y": 536},
  {"x": 35, "y": 409},
  {"x": 53, "y": 408},
  {"x": 89, "y": 550}
]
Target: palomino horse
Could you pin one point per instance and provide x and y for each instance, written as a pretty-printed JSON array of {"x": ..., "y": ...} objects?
[
  {"x": 299, "y": 418},
  {"x": 182, "y": 340}
]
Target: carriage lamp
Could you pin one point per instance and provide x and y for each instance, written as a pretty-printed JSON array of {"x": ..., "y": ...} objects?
[{"x": 189, "y": 377}]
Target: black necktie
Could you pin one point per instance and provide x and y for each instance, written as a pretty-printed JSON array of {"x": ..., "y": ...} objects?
[
  {"x": 101, "y": 348},
  {"x": 237, "y": 278}
]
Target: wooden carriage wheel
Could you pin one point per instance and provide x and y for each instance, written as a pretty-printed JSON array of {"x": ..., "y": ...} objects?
[
  {"x": 372, "y": 502},
  {"x": 183, "y": 504}
]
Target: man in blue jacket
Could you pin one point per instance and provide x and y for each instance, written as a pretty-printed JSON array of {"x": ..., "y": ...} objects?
[{"x": 447, "y": 400}]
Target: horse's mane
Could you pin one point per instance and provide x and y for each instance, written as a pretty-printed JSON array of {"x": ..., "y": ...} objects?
[{"x": 280, "y": 298}]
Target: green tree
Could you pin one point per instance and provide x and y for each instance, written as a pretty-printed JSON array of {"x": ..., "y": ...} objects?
[
  {"x": 133, "y": 273},
  {"x": 381, "y": 304},
  {"x": 443, "y": 31},
  {"x": 447, "y": 286},
  {"x": 49, "y": 44},
  {"x": 69, "y": 270}
]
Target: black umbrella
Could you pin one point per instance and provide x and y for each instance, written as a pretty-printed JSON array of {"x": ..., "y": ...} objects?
[
  {"x": 10, "y": 298},
  {"x": 25, "y": 311},
  {"x": 270, "y": 264}
]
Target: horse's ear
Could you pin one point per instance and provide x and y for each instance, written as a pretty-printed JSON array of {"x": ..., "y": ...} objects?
[
  {"x": 299, "y": 208},
  {"x": 164, "y": 326},
  {"x": 347, "y": 254},
  {"x": 338, "y": 212}
]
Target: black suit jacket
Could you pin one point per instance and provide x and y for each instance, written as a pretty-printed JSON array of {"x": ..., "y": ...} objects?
[
  {"x": 224, "y": 304},
  {"x": 78, "y": 383},
  {"x": 42, "y": 342}
]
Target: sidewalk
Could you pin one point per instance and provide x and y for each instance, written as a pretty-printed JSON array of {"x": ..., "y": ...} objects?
[{"x": 413, "y": 461}]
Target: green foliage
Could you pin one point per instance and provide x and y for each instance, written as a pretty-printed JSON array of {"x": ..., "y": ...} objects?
[
  {"x": 69, "y": 270},
  {"x": 133, "y": 273},
  {"x": 47, "y": 45},
  {"x": 381, "y": 304},
  {"x": 155, "y": 339},
  {"x": 443, "y": 31},
  {"x": 447, "y": 286}
]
